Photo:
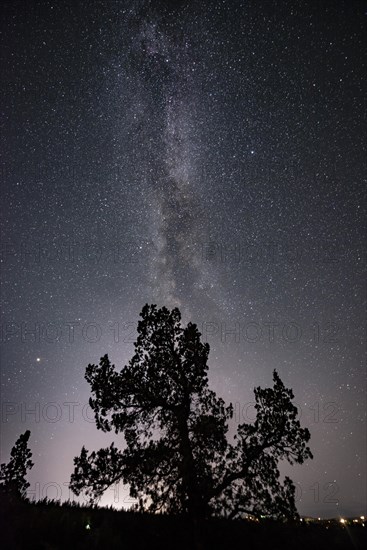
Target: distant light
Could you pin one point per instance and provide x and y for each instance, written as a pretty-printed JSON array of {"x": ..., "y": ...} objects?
[
  {"x": 38, "y": 359},
  {"x": 342, "y": 520},
  {"x": 362, "y": 518},
  {"x": 87, "y": 526},
  {"x": 319, "y": 519}
]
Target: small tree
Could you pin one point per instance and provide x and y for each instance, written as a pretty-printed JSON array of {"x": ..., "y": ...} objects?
[
  {"x": 177, "y": 456},
  {"x": 13, "y": 474}
]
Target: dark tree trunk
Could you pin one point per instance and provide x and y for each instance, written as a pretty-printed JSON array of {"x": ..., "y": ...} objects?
[{"x": 194, "y": 504}]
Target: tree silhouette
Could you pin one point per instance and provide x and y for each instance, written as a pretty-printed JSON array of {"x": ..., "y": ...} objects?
[
  {"x": 177, "y": 457},
  {"x": 13, "y": 474}
]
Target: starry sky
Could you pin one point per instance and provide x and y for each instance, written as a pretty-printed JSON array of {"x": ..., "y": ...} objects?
[{"x": 205, "y": 155}]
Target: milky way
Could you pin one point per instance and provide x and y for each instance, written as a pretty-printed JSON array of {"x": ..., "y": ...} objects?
[{"x": 167, "y": 67}]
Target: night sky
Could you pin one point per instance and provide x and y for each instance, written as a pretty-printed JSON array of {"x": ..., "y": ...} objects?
[{"x": 205, "y": 155}]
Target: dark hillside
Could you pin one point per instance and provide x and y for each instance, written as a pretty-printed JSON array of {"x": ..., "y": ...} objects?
[{"x": 51, "y": 526}]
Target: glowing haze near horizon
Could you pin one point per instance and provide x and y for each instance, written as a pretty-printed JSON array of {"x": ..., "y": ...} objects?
[{"x": 205, "y": 155}]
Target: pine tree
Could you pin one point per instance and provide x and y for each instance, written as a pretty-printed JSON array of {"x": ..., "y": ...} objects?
[
  {"x": 177, "y": 456},
  {"x": 13, "y": 474}
]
